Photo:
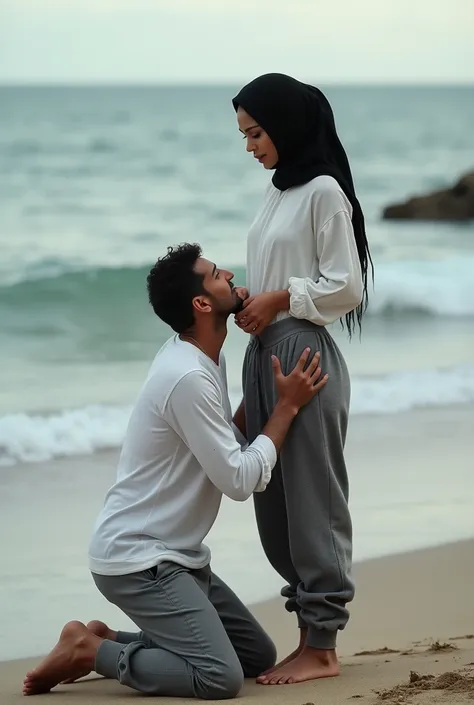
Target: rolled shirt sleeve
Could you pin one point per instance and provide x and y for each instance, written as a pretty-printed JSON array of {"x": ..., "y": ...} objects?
[{"x": 338, "y": 289}]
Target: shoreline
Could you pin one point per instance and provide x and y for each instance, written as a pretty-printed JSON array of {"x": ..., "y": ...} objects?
[
  {"x": 409, "y": 614},
  {"x": 263, "y": 609}
]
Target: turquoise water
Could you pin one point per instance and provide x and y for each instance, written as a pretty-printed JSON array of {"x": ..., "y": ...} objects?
[{"x": 96, "y": 182}]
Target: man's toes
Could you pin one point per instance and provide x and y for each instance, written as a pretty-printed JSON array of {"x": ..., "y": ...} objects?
[{"x": 27, "y": 686}]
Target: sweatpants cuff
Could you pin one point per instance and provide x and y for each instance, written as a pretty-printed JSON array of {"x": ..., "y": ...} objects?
[
  {"x": 321, "y": 638},
  {"x": 107, "y": 658}
]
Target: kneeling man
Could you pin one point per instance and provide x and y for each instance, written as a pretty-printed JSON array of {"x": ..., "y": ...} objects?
[{"x": 182, "y": 451}]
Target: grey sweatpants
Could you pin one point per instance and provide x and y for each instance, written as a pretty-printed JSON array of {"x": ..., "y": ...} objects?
[
  {"x": 196, "y": 639},
  {"x": 303, "y": 516}
]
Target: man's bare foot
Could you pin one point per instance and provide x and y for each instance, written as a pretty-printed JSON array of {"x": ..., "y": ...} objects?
[
  {"x": 308, "y": 665},
  {"x": 99, "y": 629},
  {"x": 289, "y": 658},
  {"x": 73, "y": 654}
]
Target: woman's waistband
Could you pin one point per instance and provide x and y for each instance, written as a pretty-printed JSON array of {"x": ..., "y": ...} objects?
[{"x": 276, "y": 332}]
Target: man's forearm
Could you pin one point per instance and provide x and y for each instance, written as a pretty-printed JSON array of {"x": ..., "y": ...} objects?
[
  {"x": 239, "y": 419},
  {"x": 277, "y": 426},
  {"x": 279, "y": 423}
]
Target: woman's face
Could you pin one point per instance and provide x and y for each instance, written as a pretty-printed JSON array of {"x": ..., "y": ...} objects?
[{"x": 258, "y": 142}]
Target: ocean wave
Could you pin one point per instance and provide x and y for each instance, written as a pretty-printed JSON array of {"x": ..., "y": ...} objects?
[
  {"x": 401, "y": 391},
  {"x": 36, "y": 438},
  {"x": 436, "y": 288},
  {"x": 430, "y": 288}
]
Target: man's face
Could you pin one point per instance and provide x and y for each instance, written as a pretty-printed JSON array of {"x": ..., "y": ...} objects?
[{"x": 222, "y": 296}]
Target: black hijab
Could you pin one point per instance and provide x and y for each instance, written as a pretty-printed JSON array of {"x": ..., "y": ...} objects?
[{"x": 299, "y": 120}]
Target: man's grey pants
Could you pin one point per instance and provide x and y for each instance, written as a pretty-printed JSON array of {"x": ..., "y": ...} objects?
[
  {"x": 196, "y": 639},
  {"x": 303, "y": 516}
]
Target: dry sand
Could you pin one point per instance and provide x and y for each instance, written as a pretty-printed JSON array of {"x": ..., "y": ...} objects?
[{"x": 410, "y": 640}]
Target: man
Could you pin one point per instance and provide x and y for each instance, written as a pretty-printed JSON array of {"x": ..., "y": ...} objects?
[{"x": 179, "y": 456}]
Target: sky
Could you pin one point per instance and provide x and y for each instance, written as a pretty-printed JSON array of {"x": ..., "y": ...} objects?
[{"x": 231, "y": 41}]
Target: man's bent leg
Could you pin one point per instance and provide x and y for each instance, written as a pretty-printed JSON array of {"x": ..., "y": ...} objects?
[
  {"x": 73, "y": 656},
  {"x": 254, "y": 648},
  {"x": 190, "y": 653}
]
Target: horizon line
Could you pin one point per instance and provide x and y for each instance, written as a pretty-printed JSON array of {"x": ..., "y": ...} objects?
[{"x": 110, "y": 83}]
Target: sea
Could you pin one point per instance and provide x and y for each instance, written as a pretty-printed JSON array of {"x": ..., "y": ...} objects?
[{"x": 96, "y": 182}]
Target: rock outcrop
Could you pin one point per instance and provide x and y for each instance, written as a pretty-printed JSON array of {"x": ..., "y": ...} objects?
[{"x": 455, "y": 203}]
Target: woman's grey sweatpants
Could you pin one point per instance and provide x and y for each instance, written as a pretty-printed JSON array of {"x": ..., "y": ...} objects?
[
  {"x": 303, "y": 516},
  {"x": 197, "y": 639}
]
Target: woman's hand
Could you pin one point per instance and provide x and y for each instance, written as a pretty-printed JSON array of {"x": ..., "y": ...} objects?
[
  {"x": 242, "y": 291},
  {"x": 260, "y": 310}
]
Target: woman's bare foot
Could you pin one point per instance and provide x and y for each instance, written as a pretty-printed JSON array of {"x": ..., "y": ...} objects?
[
  {"x": 279, "y": 665},
  {"x": 73, "y": 654},
  {"x": 99, "y": 629},
  {"x": 289, "y": 658},
  {"x": 308, "y": 665}
]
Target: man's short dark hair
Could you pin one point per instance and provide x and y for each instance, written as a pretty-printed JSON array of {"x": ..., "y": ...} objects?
[{"x": 172, "y": 284}]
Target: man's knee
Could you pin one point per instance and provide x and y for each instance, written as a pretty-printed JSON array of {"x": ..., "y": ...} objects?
[
  {"x": 269, "y": 653},
  {"x": 225, "y": 684},
  {"x": 265, "y": 657}
]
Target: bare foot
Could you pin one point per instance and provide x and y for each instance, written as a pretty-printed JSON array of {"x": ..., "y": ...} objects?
[
  {"x": 279, "y": 665},
  {"x": 289, "y": 658},
  {"x": 99, "y": 629},
  {"x": 308, "y": 665},
  {"x": 73, "y": 654}
]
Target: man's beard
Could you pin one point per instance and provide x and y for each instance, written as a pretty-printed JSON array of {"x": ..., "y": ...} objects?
[
  {"x": 237, "y": 304},
  {"x": 223, "y": 313}
]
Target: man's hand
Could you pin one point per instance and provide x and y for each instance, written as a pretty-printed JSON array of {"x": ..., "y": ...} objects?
[
  {"x": 301, "y": 385},
  {"x": 294, "y": 391}
]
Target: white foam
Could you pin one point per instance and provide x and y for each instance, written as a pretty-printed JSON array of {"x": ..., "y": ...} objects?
[
  {"x": 35, "y": 438},
  {"x": 402, "y": 391},
  {"x": 438, "y": 287}
]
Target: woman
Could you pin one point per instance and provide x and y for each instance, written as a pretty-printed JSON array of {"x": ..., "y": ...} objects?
[{"x": 307, "y": 260}]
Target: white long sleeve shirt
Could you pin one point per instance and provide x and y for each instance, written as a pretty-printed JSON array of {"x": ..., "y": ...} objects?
[
  {"x": 179, "y": 456},
  {"x": 302, "y": 240}
]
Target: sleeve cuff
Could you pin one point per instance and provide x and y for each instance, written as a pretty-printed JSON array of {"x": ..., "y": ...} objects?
[{"x": 298, "y": 295}]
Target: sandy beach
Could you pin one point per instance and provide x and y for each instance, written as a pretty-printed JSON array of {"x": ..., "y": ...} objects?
[{"x": 413, "y": 618}]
